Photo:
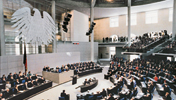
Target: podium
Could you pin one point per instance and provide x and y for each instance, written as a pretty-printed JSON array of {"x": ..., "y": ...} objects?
[{"x": 74, "y": 79}]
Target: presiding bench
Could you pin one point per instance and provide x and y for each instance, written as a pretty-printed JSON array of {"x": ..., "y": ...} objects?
[{"x": 58, "y": 77}]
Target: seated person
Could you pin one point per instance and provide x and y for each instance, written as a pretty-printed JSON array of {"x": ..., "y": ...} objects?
[
  {"x": 159, "y": 80},
  {"x": 17, "y": 81},
  {"x": 63, "y": 94},
  {"x": 44, "y": 69},
  {"x": 147, "y": 97},
  {"x": 48, "y": 70},
  {"x": 166, "y": 89},
  {"x": 9, "y": 76},
  {"x": 57, "y": 67},
  {"x": 11, "y": 79},
  {"x": 86, "y": 82},
  {"x": 1, "y": 97},
  {"x": 127, "y": 95},
  {"x": 22, "y": 87},
  {"x": 90, "y": 80},
  {"x": 174, "y": 80},
  {"x": 6, "y": 93},
  {"x": 29, "y": 74},
  {"x": 167, "y": 96},
  {"x": 15, "y": 76},
  {"x": 110, "y": 97},
  {"x": 97, "y": 94},
  {"x": 27, "y": 79},
  {"x": 3, "y": 80},
  {"x": 35, "y": 82},
  {"x": 30, "y": 84},
  {"x": 155, "y": 78},
  {"x": 3, "y": 76},
  {"x": 34, "y": 77},
  {"x": 14, "y": 90},
  {"x": 103, "y": 93},
  {"x": 151, "y": 86},
  {"x": 57, "y": 71},
  {"x": 41, "y": 80},
  {"x": 131, "y": 84},
  {"x": 135, "y": 91}
]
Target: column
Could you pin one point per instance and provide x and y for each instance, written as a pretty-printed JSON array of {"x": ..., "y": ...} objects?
[
  {"x": 2, "y": 30},
  {"x": 129, "y": 22},
  {"x": 53, "y": 13},
  {"x": 174, "y": 20},
  {"x": 92, "y": 35}
]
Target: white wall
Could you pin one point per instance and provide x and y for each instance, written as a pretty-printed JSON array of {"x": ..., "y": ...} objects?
[
  {"x": 79, "y": 26},
  {"x": 103, "y": 29},
  {"x": 36, "y": 62}
]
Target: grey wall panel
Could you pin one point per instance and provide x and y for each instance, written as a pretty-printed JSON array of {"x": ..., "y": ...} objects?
[
  {"x": 84, "y": 48},
  {"x": 36, "y": 62}
]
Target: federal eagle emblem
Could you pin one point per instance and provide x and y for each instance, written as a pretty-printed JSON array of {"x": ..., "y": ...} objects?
[{"x": 34, "y": 29}]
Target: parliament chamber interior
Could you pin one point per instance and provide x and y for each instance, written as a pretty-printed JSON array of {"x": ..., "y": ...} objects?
[{"x": 87, "y": 49}]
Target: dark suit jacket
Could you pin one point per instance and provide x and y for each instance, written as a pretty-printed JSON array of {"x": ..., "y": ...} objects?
[
  {"x": 63, "y": 94},
  {"x": 111, "y": 98},
  {"x": 22, "y": 87},
  {"x": 6, "y": 94}
]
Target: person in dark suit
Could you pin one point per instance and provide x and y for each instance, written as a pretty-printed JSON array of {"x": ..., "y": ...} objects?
[
  {"x": 150, "y": 88},
  {"x": 131, "y": 84},
  {"x": 3, "y": 80},
  {"x": 57, "y": 71},
  {"x": 159, "y": 80},
  {"x": 35, "y": 82},
  {"x": 167, "y": 96},
  {"x": 34, "y": 77},
  {"x": 11, "y": 79},
  {"x": 1, "y": 96},
  {"x": 86, "y": 82},
  {"x": 174, "y": 80},
  {"x": 41, "y": 80},
  {"x": 147, "y": 97},
  {"x": 30, "y": 84},
  {"x": 166, "y": 89},
  {"x": 90, "y": 80},
  {"x": 110, "y": 97},
  {"x": 135, "y": 91},
  {"x": 9, "y": 76},
  {"x": 27, "y": 79},
  {"x": 3, "y": 76},
  {"x": 15, "y": 76},
  {"x": 6, "y": 94},
  {"x": 103, "y": 93},
  {"x": 44, "y": 69},
  {"x": 63, "y": 94},
  {"x": 22, "y": 87},
  {"x": 14, "y": 90}
]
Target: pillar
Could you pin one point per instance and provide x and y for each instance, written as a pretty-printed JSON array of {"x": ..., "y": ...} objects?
[
  {"x": 92, "y": 35},
  {"x": 2, "y": 30},
  {"x": 174, "y": 20},
  {"x": 129, "y": 22},
  {"x": 53, "y": 13}
]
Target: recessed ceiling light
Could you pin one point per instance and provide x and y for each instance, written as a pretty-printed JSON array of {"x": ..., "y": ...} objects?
[{"x": 109, "y": 0}]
